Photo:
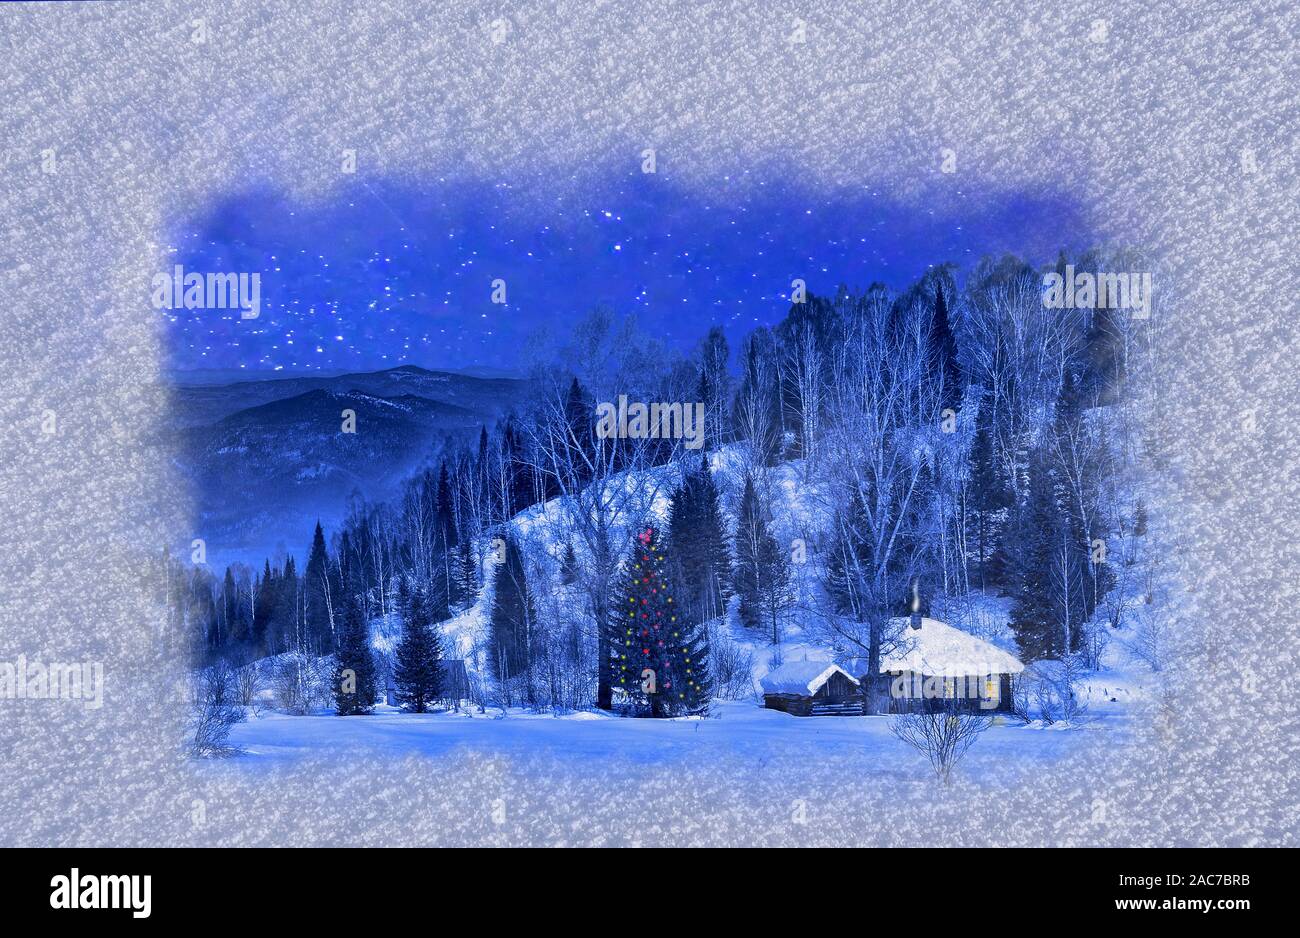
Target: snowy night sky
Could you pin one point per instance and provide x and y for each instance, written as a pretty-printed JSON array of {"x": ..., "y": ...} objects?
[{"x": 380, "y": 274}]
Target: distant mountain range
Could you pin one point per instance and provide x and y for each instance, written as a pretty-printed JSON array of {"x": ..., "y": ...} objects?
[{"x": 266, "y": 458}]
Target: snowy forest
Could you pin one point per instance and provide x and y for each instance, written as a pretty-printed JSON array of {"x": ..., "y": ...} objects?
[{"x": 956, "y": 441}]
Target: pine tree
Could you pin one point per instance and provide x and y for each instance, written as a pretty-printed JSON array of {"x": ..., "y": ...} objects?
[
  {"x": 446, "y": 538},
  {"x": 513, "y": 621},
  {"x": 316, "y": 595},
  {"x": 943, "y": 346},
  {"x": 235, "y": 624},
  {"x": 568, "y": 566},
  {"x": 761, "y": 576},
  {"x": 448, "y": 535},
  {"x": 658, "y": 655},
  {"x": 697, "y": 541},
  {"x": 354, "y": 669},
  {"x": 1038, "y": 534},
  {"x": 466, "y": 572},
  {"x": 991, "y": 499},
  {"x": 578, "y": 444},
  {"x": 285, "y": 616},
  {"x": 418, "y": 671},
  {"x": 264, "y": 608},
  {"x": 1140, "y": 519}
]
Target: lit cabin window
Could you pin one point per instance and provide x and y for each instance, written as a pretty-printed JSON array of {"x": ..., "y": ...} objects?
[{"x": 990, "y": 686}]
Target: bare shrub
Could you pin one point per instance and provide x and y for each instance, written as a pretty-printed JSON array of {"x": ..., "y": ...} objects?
[
  {"x": 943, "y": 737},
  {"x": 1151, "y": 637},
  {"x": 300, "y": 683},
  {"x": 1051, "y": 685},
  {"x": 1022, "y": 699},
  {"x": 213, "y": 711},
  {"x": 733, "y": 669},
  {"x": 248, "y": 684}
]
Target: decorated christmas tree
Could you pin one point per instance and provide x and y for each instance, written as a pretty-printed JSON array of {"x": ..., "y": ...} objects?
[{"x": 658, "y": 659}]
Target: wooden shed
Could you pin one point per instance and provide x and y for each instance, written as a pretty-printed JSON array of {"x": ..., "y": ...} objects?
[{"x": 811, "y": 688}]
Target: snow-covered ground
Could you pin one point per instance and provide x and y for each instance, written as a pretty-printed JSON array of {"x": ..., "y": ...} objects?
[{"x": 739, "y": 732}]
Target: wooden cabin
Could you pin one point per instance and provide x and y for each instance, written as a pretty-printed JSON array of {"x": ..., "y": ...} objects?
[
  {"x": 811, "y": 688},
  {"x": 934, "y": 666}
]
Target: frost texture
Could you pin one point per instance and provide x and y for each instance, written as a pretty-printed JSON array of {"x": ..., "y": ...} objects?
[{"x": 1146, "y": 127}]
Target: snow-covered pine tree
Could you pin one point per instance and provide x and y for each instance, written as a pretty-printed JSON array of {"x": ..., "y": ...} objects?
[
  {"x": 658, "y": 655},
  {"x": 418, "y": 671}
]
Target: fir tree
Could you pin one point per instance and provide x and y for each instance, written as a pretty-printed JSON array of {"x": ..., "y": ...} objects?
[
  {"x": 568, "y": 566},
  {"x": 658, "y": 656},
  {"x": 578, "y": 445},
  {"x": 235, "y": 624},
  {"x": 285, "y": 615},
  {"x": 943, "y": 346},
  {"x": 761, "y": 576},
  {"x": 513, "y": 620},
  {"x": 354, "y": 668},
  {"x": 1140, "y": 519},
  {"x": 1034, "y": 616},
  {"x": 316, "y": 595},
  {"x": 466, "y": 572},
  {"x": 448, "y": 535},
  {"x": 991, "y": 499},
  {"x": 264, "y": 607},
  {"x": 697, "y": 542},
  {"x": 418, "y": 671}
]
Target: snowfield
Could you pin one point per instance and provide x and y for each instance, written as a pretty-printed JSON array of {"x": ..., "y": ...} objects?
[{"x": 738, "y": 733}]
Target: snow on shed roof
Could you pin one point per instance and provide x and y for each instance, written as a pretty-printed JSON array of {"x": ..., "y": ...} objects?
[
  {"x": 938, "y": 649},
  {"x": 804, "y": 678}
]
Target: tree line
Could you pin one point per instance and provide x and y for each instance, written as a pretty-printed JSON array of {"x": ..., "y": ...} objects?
[{"x": 948, "y": 434}]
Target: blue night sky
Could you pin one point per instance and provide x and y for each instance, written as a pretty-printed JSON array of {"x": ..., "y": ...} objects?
[{"x": 384, "y": 274}]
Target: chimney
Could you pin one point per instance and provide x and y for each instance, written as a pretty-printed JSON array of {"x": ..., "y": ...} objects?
[{"x": 916, "y": 606}]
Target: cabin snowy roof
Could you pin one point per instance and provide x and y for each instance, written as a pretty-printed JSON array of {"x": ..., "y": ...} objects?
[
  {"x": 937, "y": 649},
  {"x": 804, "y": 678}
]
